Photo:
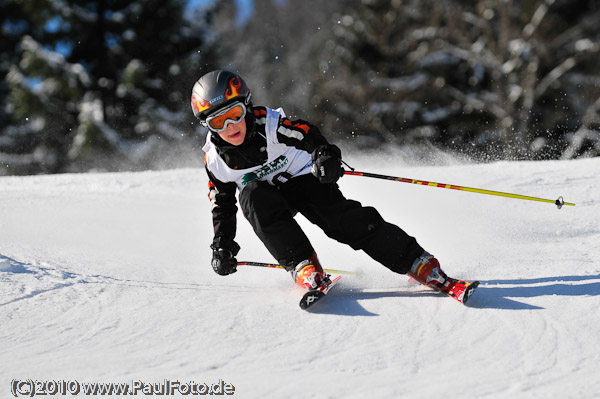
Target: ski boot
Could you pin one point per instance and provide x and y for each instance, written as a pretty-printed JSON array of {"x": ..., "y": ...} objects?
[
  {"x": 309, "y": 274},
  {"x": 427, "y": 271}
]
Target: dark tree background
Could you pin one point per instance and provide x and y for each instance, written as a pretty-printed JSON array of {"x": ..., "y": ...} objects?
[
  {"x": 104, "y": 85},
  {"x": 99, "y": 84}
]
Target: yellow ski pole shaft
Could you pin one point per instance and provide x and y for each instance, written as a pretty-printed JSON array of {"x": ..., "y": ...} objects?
[
  {"x": 277, "y": 266},
  {"x": 558, "y": 202}
]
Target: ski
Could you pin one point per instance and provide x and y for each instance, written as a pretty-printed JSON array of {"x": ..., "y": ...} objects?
[
  {"x": 314, "y": 295},
  {"x": 461, "y": 290}
]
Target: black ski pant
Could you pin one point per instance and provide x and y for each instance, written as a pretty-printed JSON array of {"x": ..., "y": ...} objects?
[{"x": 271, "y": 210}]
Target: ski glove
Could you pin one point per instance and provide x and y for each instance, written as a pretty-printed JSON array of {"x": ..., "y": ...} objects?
[
  {"x": 223, "y": 259},
  {"x": 327, "y": 163}
]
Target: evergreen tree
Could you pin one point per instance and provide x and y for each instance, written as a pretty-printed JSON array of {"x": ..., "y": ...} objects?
[
  {"x": 106, "y": 83},
  {"x": 486, "y": 75},
  {"x": 14, "y": 23},
  {"x": 275, "y": 50}
]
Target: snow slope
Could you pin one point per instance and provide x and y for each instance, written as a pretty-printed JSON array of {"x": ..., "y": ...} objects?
[{"x": 106, "y": 278}]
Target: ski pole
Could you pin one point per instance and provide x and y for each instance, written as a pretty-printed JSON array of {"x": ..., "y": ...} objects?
[
  {"x": 277, "y": 266},
  {"x": 558, "y": 202}
]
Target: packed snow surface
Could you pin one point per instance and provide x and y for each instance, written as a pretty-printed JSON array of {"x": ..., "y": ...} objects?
[{"x": 107, "y": 278}]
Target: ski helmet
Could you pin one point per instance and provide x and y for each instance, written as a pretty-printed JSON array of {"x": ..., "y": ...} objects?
[{"x": 217, "y": 89}]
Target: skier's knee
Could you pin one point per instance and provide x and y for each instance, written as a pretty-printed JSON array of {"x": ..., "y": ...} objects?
[
  {"x": 366, "y": 221},
  {"x": 358, "y": 227}
]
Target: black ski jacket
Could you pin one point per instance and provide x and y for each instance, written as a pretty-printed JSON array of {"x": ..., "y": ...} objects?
[{"x": 252, "y": 152}]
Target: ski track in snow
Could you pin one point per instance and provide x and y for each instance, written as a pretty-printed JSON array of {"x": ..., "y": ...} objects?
[{"x": 107, "y": 278}]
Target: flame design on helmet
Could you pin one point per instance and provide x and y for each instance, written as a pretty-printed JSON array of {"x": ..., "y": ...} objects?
[
  {"x": 215, "y": 90},
  {"x": 199, "y": 105},
  {"x": 235, "y": 85}
]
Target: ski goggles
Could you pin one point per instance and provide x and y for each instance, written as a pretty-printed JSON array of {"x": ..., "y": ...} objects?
[{"x": 231, "y": 114}]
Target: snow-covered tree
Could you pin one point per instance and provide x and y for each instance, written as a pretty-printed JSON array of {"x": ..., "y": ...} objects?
[
  {"x": 106, "y": 83},
  {"x": 275, "y": 50},
  {"x": 14, "y": 23},
  {"x": 510, "y": 79}
]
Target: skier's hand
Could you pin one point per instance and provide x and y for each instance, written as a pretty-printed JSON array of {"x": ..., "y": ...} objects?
[
  {"x": 327, "y": 163},
  {"x": 223, "y": 260}
]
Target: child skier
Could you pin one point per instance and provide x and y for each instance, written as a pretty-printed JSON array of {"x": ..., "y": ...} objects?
[{"x": 282, "y": 167}]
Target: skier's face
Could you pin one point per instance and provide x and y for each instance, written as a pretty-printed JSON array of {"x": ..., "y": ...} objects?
[{"x": 235, "y": 133}]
